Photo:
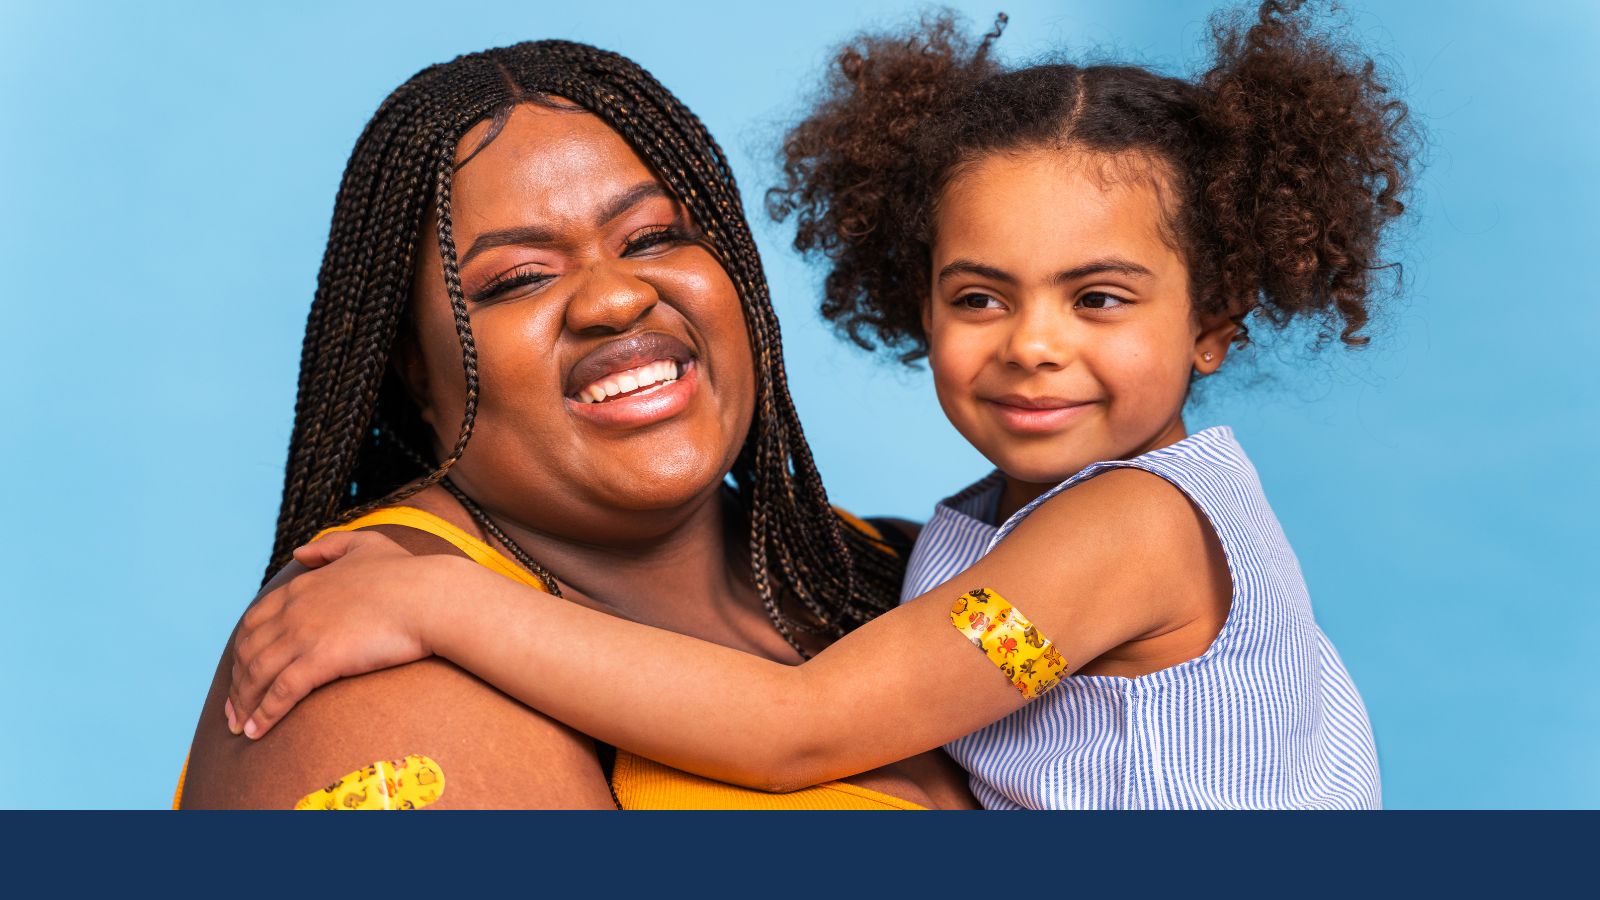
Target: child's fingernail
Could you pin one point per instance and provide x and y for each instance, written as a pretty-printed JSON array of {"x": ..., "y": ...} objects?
[
  {"x": 233, "y": 722},
  {"x": 250, "y": 729}
]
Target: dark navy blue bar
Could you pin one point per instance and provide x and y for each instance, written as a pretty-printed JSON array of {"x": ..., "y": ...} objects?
[{"x": 970, "y": 855}]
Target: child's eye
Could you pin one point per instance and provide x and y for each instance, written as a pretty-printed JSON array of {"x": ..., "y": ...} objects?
[
  {"x": 1099, "y": 300},
  {"x": 977, "y": 301}
]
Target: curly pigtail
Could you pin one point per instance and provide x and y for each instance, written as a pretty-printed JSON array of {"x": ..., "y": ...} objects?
[{"x": 1310, "y": 161}]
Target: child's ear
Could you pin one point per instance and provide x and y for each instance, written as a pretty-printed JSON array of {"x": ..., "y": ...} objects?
[
  {"x": 1212, "y": 343},
  {"x": 927, "y": 316}
]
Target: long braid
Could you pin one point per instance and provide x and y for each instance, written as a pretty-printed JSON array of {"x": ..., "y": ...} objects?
[
  {"x": 352, "y": 324},
  {"x": 355, "y": 427}
]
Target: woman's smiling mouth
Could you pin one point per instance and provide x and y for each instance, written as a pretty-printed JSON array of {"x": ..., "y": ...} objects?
[{"x": 633, "y": 381}]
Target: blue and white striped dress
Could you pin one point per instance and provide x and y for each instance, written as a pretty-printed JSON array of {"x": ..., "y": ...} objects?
[{"x": 1266, "y": 718}]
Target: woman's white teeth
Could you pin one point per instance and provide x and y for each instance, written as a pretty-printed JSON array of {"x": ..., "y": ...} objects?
[{"x": 630, "y": 381}]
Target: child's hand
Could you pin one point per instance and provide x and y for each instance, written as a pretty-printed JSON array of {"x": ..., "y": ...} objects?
[{"x": 355, "y": 612}]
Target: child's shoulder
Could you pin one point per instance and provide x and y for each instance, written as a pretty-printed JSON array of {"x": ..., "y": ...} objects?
[
  {"x": 1122, "y": 503},
  {"x": 1150, "y": 493},
  {"x": 1126, "y": 555},
  {"x": 1147, "y": 513}
]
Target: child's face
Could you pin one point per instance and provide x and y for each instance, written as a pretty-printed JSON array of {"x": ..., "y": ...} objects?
[{"x": 1060, "y": 329}]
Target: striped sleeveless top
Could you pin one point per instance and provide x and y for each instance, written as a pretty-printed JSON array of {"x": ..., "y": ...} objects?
[{"x": 1267, "y": 717}]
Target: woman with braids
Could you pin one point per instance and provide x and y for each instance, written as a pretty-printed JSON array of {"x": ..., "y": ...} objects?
[
  {"x": 1070, "y": 247},
  {"x": 541, "y": 341}
]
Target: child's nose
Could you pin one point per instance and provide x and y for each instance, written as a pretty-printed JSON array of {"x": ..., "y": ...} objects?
[
  {"x": 1038, "y": 342},
  {"x": 609, "y": 299}
]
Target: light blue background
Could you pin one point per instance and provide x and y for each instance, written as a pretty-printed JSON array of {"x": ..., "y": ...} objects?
[{"x": 170, "y": 169}]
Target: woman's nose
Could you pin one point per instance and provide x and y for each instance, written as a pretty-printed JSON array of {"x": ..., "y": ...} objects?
[{"x": 609, "y": 300}]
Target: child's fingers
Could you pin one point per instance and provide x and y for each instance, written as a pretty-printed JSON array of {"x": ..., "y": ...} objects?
[
  {"x": 265, "y": 607},
  {"x": 256, "y": 674},
  {"x": 261, "y": 627},
  {"x": 331, "y": 547},
  {"x": 249, "y": 641},
  {"x": 327, "y": 548},
  {"x": 288, "y": 688},
  {"x": 246, "y": 651}
]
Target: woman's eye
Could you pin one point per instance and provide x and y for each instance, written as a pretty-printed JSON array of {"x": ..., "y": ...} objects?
[
  {"x": 653, "y": 237},
  {"x": 1100, "y": 301},
  {"x": 977, "y": 301},
  {"x": 509, "y": 281}
]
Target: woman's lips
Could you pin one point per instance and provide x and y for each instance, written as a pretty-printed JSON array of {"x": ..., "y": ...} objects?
[
  {"x": 1036, "y": 415},
  {"x": 645, "y": 406},
  {"x": 620, "y": 355}
]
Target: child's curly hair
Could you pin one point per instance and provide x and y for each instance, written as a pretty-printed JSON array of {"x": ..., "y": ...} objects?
[{"x": 1285, "y": 160}]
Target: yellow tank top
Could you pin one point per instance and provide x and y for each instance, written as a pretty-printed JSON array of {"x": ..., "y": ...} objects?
[{"x": 637, "y": 783}]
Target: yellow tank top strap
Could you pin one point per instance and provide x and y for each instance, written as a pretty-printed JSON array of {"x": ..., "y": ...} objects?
[
  {"x": 867, "y": 528},
  {"x": 859, "y": 524},
  {"x": 475, "y": 549}
]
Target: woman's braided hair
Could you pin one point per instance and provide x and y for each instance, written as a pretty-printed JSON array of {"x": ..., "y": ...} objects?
[{"x": 356, "y": 430}]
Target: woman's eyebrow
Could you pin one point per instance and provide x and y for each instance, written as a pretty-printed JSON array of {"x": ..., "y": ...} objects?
[
  {"x": 644, "y": 190},
  {"x": 539, "y": 234},
  {"x": 506, "y": 237}
]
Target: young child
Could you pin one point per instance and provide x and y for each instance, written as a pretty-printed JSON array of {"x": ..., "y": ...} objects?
[{"x": 1114, "y": 618}]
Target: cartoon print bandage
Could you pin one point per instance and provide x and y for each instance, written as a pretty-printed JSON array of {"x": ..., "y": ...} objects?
[
  {"x": 1027, "y": 658},
  {"x": 400, "y": 784}
]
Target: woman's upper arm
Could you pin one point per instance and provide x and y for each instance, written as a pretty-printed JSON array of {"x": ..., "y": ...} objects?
[{"x": 494, "y": 752}]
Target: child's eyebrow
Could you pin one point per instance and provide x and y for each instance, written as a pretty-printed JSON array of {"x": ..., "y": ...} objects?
[
  {"x": 968, "y": 267},
  {"x": 1101, "y": 267},
  {"x": 1097, "y": 267}
]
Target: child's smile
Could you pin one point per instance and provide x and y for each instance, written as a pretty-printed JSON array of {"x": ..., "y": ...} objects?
[
  {"x": 1060, "y": 328},
  {"x": 1035, "y": 414}
]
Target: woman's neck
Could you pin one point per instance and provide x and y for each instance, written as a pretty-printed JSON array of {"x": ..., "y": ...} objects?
[{"x": 671, "y": 568}]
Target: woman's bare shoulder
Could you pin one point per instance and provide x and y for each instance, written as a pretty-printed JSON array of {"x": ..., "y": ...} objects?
[{"x": 495, "y": 752}]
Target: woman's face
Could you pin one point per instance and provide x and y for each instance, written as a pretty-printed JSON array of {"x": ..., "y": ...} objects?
[{"x": 616, "y": 384}]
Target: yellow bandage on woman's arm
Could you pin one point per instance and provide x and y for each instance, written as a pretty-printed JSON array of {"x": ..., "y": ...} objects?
[
  {"x": 1027, "y": 658},
  {"x": 399, "y": 784}
]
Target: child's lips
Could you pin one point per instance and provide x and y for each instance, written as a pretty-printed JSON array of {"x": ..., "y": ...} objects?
[{"x": 1036, "y": 415}]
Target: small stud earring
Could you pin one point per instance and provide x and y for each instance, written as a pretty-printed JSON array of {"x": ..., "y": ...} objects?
[{"x": 1206, "y": 356}]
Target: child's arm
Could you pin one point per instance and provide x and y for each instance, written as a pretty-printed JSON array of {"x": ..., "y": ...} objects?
[{"x": 1109, "y": 561}]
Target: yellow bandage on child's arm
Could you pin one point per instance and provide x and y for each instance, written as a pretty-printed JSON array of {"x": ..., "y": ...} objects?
[{"x": 1027, "y": 658}]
